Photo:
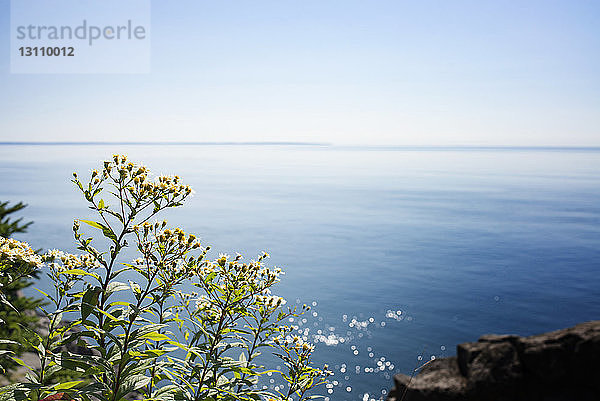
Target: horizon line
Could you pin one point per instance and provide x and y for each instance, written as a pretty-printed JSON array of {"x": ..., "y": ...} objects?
[
  {"x": 162, "y": 143},
  {"x": 292, "y": 143}
]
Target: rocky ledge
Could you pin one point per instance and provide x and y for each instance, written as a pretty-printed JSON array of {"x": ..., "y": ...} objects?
[{"x": 555, "y": 366}]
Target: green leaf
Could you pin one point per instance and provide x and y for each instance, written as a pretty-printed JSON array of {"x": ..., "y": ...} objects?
[
  {"x": 17, "y": 391},
  {"x": 133, "y": 383},
  {"x": 67, "y": 385},
  {"x": 89, "y": 301},
  {"x": 166, "y": 393},
  {"x": 43, "y": 293},
  {"x": 5, "y": 302},
  {"x": 149, "y": 328},
  {"x": 93, "y": 389},
  {"x": 32, "y": 337},
  {"x": 93, "y": 224},
  {"x": 101, "y": 204},
  {"x": 52, "y": 370},
  {"x": 154, "y": 336},
  {"x": 108, "y": 233},
  {"x": 151, "y": 353},
  {"x": 80, "y": 272},
  {"x": 114, "y": 287},
  {"x": 21, "y": 362},
  {"x": 111, "y": 317}
]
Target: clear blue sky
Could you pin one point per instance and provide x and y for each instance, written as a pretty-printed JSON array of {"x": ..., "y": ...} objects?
[{"x": 346, "y": 72}]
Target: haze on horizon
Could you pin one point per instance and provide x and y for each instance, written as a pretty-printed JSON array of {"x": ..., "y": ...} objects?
[{"x": 344, "y": 72}]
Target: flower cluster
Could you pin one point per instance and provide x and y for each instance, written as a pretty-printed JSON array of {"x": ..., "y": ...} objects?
[
  {"x": 164, "y": 252},
  {"x": 205, "y": 269},
  {"x": 294, "y": 342},
  {"x": 66, "y": 269},
  {"x": 177, "y": 239},
  {"x": 167, "y": 240},
  {"x": 136, "y": 180},
  {"x": 255, "y": 273},
  {"x": 13, "y": 251},
  {"x": 69, "y": 261},
  {"x": 270, "y": 301},
  {"x": 296, "y": 354},
  {"x": 203, "y": 303},
  {"x": 134, "y": 186}
]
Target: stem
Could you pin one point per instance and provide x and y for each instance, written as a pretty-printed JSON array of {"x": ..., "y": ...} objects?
[
  {"x": 102, "y": 300},
  {"x": 44, "y": 358},
  {"x": 213, "y": 347},
  {"x": 151, "y": 384},
  {"x": 250, "y": 352},
  {"x": 101, "y": 215},
  {"x": 121, "y": 365}
]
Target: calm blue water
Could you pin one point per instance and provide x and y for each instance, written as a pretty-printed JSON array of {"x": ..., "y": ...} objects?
[{"x": 404, "y": 252}]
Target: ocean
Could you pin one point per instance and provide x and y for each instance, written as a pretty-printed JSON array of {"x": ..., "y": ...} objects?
[{"x": 403, "y": 252}]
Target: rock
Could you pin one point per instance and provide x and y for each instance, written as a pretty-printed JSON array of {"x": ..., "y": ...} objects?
[
  {"x": 440, "y": 380},
  {"x": 556, "y": 366},
  {"x": 495, "y": 370},
  {"x": 467, "y": 352}
]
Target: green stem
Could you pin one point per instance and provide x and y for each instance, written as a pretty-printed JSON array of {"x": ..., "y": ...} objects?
[
  {"x": 122, "y": 365},
  {"x": 213, "y": 347},
  {"x": 151, "y": 384},
  {"x": 250, "y": 353},
  {"x": 44, "y": 358}
]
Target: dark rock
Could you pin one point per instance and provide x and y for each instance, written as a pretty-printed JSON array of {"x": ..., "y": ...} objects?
[
  {"x": 568, "y": 354},
  {"x": 495, "y": 370},
  {"x": 467, "y": 352},
  {"x": 440, "y": 380},
  {"x": 556, "y": 366},
  {"x": 495, "y": 338}
]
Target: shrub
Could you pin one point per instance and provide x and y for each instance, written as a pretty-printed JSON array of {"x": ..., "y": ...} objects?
[
  {"x": 9, "y": 227},
  {"x": 16, "y": 310},
  {"x": 139, "y": 331}
]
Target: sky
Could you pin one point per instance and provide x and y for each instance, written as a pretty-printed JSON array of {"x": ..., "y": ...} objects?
[{"x": 441, "y": 73}]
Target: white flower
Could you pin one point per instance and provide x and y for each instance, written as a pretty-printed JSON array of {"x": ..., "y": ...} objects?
[
  {"x": 202, "y": 303},
  {"x": 16, "y": 251}
]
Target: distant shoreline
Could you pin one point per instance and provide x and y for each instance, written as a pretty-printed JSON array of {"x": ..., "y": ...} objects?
[
  {"x": 167, "y": 143},
  {"x": 320, "y": 144}
]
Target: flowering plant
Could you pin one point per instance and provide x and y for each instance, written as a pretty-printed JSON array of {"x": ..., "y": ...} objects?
[
  {"x": 138, "y": 332},
  {"x": 18, "y": 266}
]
